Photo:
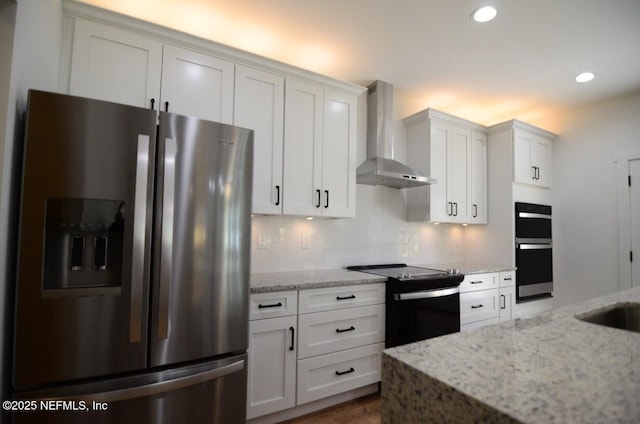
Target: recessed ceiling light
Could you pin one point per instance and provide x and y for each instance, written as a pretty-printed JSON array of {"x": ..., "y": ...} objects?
[
  {"x": 484, "y": 14},
  {"x": 585, "y": 77}
]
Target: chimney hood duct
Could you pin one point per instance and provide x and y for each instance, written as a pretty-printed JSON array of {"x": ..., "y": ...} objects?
[{"x": 380, "y": 168}]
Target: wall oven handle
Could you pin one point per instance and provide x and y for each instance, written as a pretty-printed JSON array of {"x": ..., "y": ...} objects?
[
  {"x": 534, "y": 246},
  {"x": 426, "y": 294},
  {"x": 533, "y": 215}
]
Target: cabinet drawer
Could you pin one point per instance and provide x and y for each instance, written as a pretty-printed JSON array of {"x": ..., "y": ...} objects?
[
  {"x": 273, "y": 304},
  {"x": 333, "y": 298},
  {"x": 325, "y": 332},
  {"x": 478, "y": 306},
  {"x": 473, "y": 282},
  {"x": 338, "y": 372},
  {"x": 507, "y": 278}
]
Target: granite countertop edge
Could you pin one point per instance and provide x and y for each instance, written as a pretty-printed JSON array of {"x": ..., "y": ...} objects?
[{"x": 549, "y": 368}]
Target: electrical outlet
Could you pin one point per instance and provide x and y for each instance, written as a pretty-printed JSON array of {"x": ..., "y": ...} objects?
[{"x": 306, "y": 241}]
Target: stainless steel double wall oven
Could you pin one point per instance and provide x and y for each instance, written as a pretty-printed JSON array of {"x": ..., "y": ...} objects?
[{"x": 534, "y": 251}]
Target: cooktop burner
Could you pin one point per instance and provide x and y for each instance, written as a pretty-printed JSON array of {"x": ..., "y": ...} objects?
[{"x": 404, "y": 272}]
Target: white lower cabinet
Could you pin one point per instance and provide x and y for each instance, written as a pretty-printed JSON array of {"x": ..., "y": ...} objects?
[
  {"x": 486, "y": 299},
  {"x": 507, "y": 295},
  {"x": 326, "y": 375},
  {"x": 308, "y": 345},
  {"x": 272, "y": 354}
]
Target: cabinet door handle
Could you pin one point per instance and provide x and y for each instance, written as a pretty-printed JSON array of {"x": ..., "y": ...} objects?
[
  {"x": 273, "y": 305},
  {"x": 503, "y": 298},
  {"x": 476, "y": 282},
  {"x": 293, "y": 337},
  {"x": 166, "y": 106},
  {"x": 318, "y": 203},
  {"x": 475, "y": 211},
  {"x": 277, "y": 195},
  {"x": 153, "y": 102},
  {"x": 449, "y": 208},
  {"x": 477, "y": 306},
  {"x": 537, "y": 172},
  {"x": 353, "y": 296},
  {"x": 350, "y": 370},
  {"x": 344, "y": 330},
  {"x": 326, "y": 193},
  {"x": 456, "y": 212}
]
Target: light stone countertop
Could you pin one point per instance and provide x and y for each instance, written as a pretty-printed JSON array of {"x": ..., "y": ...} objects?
[
  {"x": 300, "y": 280},
  {"x": 552, "y": 368}
]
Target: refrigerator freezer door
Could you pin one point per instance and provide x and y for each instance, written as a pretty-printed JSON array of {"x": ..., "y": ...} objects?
[
  {"x": 208, "y": 393},
  {"x": 202, "y": 240},
  {"x": 82, "y": 288}
]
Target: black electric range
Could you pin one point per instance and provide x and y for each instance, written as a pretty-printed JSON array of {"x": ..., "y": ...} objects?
[{"x": 421, "y": 303}]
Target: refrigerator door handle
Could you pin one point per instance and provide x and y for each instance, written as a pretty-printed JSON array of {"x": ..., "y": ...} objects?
[
  {"x": 155, "y": 388},
  {"x": 170, "y": 152},
  {"x": 139, "y": 239}
]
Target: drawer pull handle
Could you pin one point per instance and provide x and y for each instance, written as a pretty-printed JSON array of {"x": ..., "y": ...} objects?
[
  {"x": 274, "y": 305},
  {"x": 477, "y": 306},
  {"x": 338, "y": 330},
  {"x": 353, "y": 296},
  {"x": 350, "y": 370},
  {"x": 507, "y": 278},
  {"x": 293, "y": 337},
  {"x": 477, "y": 282}
]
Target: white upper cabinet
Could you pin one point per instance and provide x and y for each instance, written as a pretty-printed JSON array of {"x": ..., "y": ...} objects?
[
  {"x": 121, "y": 66},
  {"x": 453, "y": 151},
  {"x": 319, "y": 154},
  {"x": 196, "y": 84},
  {"x": 259, "y": 104},
  {"x": 305, "y": 125},
  {"x": 531, "y": 155},
  {"x": 478, "y": 178},
  {"x": 112, "y": 64},
  {"x": 303, "y": 152},
  {"x": 339, "y": 154}
]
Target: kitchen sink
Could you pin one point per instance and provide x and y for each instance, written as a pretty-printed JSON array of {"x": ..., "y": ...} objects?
[{"x": 625, "y": 316}]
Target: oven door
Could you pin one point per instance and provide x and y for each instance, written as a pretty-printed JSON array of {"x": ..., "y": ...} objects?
[
  {"x": 534, "y": 270},
  {"x": 421, "y": 315}
]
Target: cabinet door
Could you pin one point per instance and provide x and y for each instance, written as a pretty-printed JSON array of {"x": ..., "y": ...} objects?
[
  {"x": 541, "y": 160},
  {"x": 196, "y": 84},
  {"x": 457, "y": 168},
  {"x": 115, "y": 65},
  {"x": 339, "y": 155},
  {"x": 507, "y": 300},
  {"x": 439, "y": 134},
  {"x": 478, "y": 179},
  {"x": 259, "y": 105},
  {"x": 523, "y": 171},
  {"x": 271, "y": 366},
  {"x": 303, "y": 149}
]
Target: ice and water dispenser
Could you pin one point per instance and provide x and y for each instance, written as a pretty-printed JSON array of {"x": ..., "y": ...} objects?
[{"x": 84, "y": 240}]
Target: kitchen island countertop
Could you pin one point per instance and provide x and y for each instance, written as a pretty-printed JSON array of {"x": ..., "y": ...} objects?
[{"x": 552, "y": 368}]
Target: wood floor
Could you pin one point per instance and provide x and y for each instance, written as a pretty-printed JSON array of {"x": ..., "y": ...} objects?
[{"x": 365, "y": 410}]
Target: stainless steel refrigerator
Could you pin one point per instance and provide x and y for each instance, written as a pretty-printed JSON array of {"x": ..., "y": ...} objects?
[{"x": 133, "y": 265}]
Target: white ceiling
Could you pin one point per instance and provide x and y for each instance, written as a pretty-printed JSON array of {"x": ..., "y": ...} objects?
[{"x": 520, "y": 65}]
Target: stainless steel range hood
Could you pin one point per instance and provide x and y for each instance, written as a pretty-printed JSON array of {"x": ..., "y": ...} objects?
[{"x": 380, "y": 168}]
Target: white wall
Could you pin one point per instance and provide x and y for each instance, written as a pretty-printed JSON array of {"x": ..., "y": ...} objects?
[
  {"x": 36, "y": 27},
  {"x": 585, "y": 204}
]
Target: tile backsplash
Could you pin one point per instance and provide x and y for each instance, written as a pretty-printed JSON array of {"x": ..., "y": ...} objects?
[{"x": 379, "y": 233}]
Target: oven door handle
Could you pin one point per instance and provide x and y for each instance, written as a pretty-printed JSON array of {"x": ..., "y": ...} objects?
[
  {"x": 533, "y": 215},
  {"x": 534, "y": 246},
  {"x": 426, "y": 294}
]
